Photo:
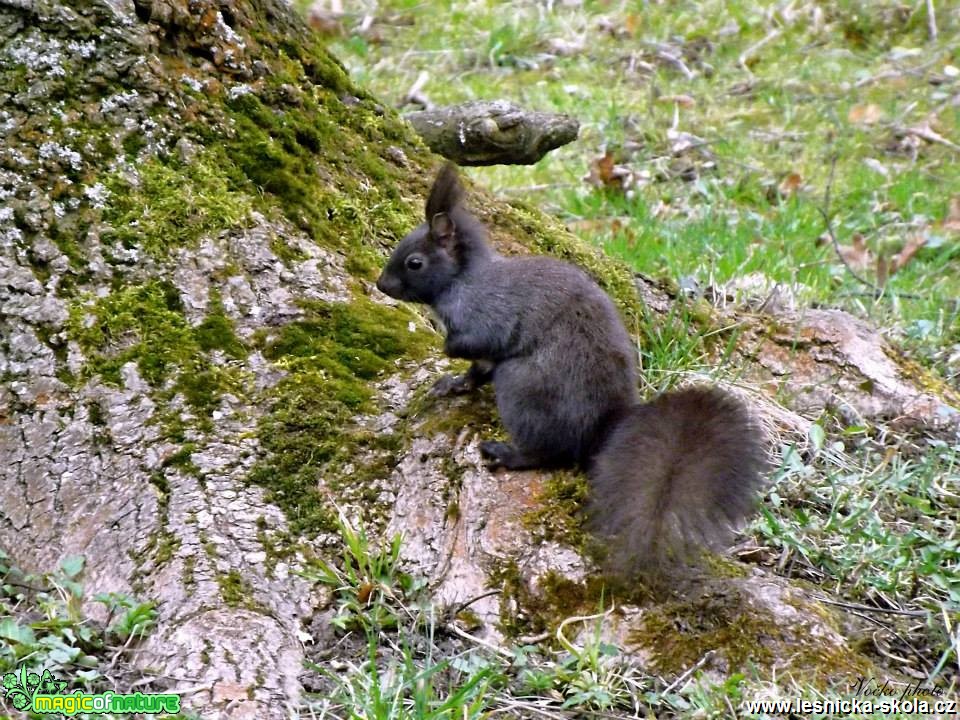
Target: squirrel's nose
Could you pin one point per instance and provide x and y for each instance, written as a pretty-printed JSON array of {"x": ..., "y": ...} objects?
[{"x": 385, "y": 286}]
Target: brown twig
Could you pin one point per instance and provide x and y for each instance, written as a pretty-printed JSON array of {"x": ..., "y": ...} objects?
[
  {"x": 915, "y": 71},
  {"x": 925, "y": 132},
  {"x": 748, "y": 54},
  {"x": 869, "y": 608},
  {"x": 463, "y": 606},
  {"x": 708, "y": 656}
]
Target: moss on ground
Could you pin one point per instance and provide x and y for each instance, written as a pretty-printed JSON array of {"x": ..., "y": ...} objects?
[
  {"x": 678, "y": 634},
  {"x": 527, "y": 610}
]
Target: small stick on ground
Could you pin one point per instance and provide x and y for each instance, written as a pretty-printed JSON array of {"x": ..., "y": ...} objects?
[
  {"x": 747, "y": 54},
  {"x": 415, "y": 94},
  {"x": 828, "y": 221},
  {"x": 690, "y": 671},
  {"x": 931, "y": 21}
]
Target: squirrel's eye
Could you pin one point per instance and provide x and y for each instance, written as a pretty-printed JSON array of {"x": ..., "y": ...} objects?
[{"x": 414, "y": 263}]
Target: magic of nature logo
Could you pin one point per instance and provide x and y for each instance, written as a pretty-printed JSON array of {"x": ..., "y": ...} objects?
[{"x": 42, "y": 693}]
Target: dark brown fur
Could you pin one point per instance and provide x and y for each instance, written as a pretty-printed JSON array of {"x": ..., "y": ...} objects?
[{"x": 677, "y": 475}]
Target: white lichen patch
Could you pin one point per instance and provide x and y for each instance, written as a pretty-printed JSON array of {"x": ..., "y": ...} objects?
[
  {"x": 38, "y": 54},
  {"x": 192, "y": 83},
  {"x": 119, "y": 100},
  {"x": 60, "y": 153},
  {"x": 97, "y": 194},
  {"x": 239, "y": 90}
]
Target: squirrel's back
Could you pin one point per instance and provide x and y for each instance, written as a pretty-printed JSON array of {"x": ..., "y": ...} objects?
[
  {"x": 677, "y": 474},
  {"x": 571, "y": 371}
]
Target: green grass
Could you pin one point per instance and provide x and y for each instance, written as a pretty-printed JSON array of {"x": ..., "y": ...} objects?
[{"x": 412, "y": 669}]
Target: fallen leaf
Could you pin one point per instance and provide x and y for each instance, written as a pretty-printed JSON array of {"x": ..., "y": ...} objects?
[
  {"x": 604, "y": 172},
  {"x": 884, "y": 270},
  {"x": 876, "y": 166},
  {"x": 681, "y": 100},
  {"x": 791, "y": 183},
  {"x": 604, "y": 167},
  {"x": 566, "y": 48},
  {"x": 910, "y": 249},
  {"x": 868, "y": 114},
  {"x": 615, "y": 30},
  {"x": 681, "y": 141},
  {"x": 364, "y": 591},
  {"x": 952, "y": 221},
  {"x": 857, "y": 255},
  {"x": 325, "y": 22},
  {"x": 616, "y": 226}
]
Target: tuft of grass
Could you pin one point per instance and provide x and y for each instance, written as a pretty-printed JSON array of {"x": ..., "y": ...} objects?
[
  {"x": 369, "y": 585},
  {"x": 876, "y": 526},
  {"x": 411, "y": 671}
]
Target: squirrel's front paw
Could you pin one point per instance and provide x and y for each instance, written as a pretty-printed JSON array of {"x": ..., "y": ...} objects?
[
  {"x": 452, "y": 385},
  {"x": 497, "y": 454},
  {"x": 494, "y": 452},
  {"x": 504, "y": 455}
]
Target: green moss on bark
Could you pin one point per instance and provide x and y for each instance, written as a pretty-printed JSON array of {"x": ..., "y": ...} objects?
[
  {"x": 145, "y": 324},
  {"x": 332, "y": 358},
  {"x": 172, "y": 204}
]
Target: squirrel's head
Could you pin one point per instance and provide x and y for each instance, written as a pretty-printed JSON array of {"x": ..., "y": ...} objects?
[{"x": 435, "y": 252}]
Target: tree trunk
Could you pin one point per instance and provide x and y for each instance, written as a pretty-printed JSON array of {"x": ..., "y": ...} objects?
[
  {"x": 194, "y": 200},
  {"x": 179, "y": 182}
]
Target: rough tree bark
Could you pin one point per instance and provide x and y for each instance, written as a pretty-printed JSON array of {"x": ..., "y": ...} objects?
[
  {"x": 174, "y": 179},
  {"x": 197, "y": 372}
]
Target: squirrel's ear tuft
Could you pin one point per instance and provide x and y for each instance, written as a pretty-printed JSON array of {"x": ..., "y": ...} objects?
[
  {"x": 442, "y": 228},
  {"x": 446, "y": 193}
]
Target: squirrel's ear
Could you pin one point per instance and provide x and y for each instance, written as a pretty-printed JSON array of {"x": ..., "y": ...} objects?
[
  {"x": 446, "y": 193},
  {"x": 442, "y": 228}
]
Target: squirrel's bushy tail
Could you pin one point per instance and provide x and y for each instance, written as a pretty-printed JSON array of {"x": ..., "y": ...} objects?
[{"x": 675, "y": 475}]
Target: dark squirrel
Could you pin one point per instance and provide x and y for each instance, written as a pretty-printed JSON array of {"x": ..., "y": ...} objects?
[{"x": 666, "y": 478}]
